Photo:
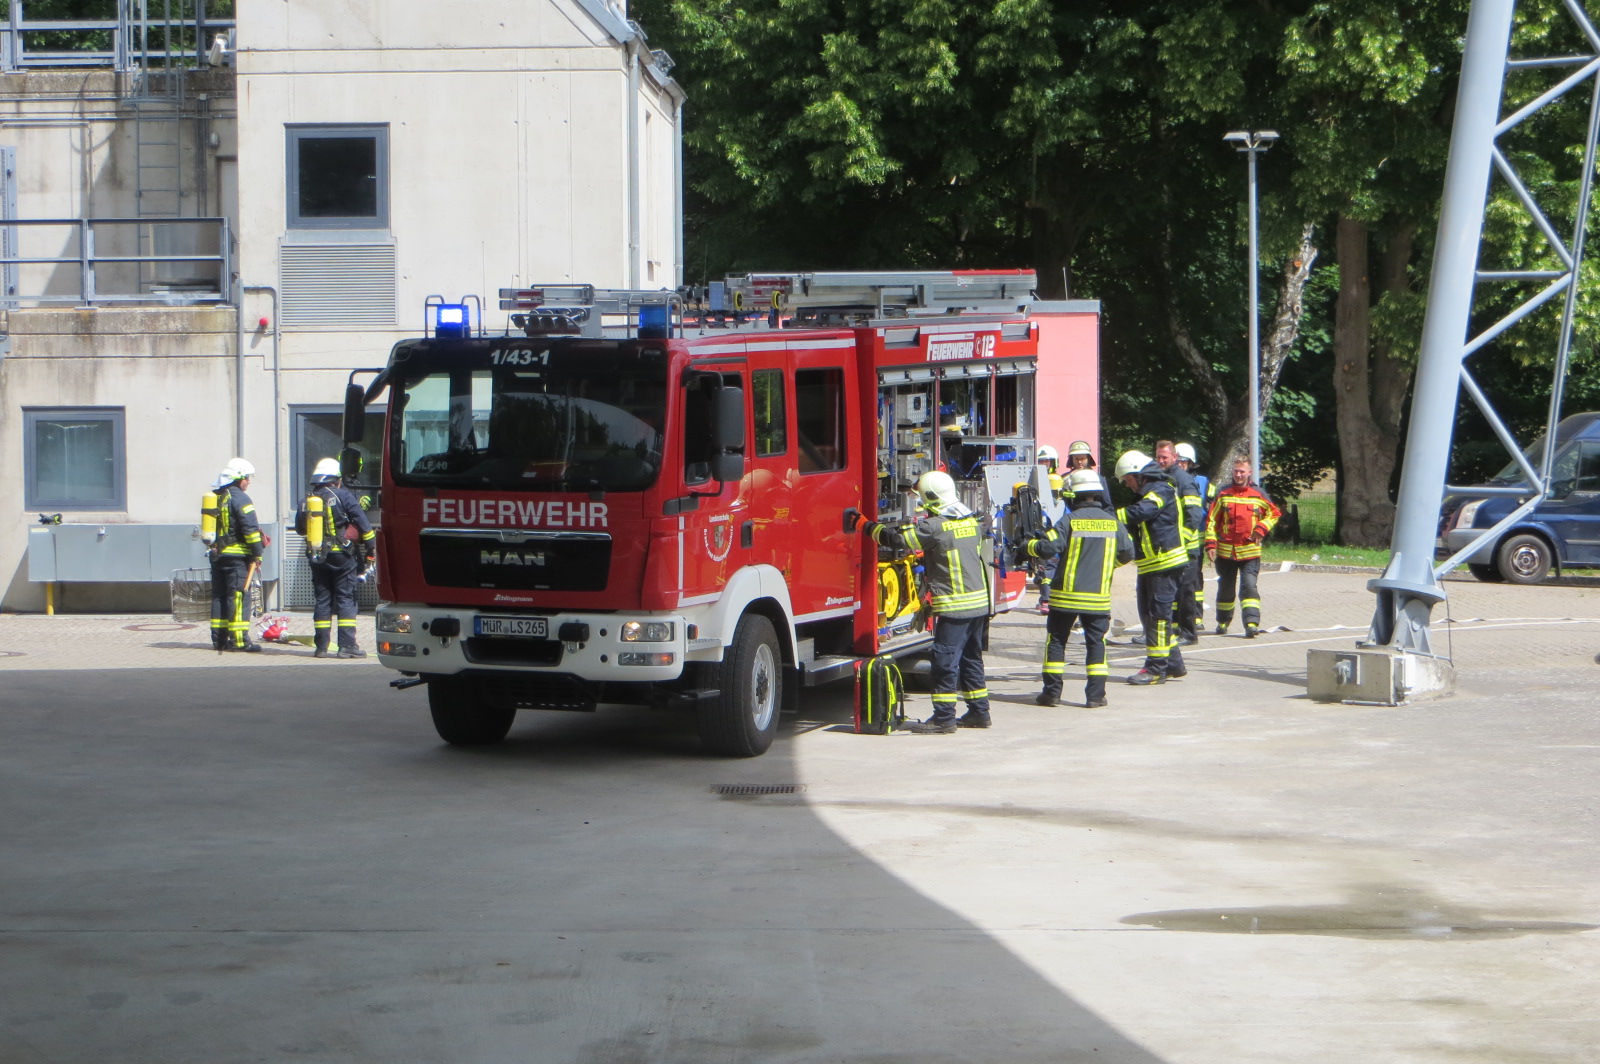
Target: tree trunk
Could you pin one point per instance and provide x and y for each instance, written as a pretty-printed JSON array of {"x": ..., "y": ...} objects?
[
  {"x": 1369, "y": 387},
  {"x": 1276, "y": 347}
]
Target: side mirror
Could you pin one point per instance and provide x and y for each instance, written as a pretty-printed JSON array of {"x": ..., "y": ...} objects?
[
  {"x": 727, "y": 466},
  {"x": 729, "y": 431},
  {"x": 350, "y": 465},
  {"x": 355, "y": 414}
]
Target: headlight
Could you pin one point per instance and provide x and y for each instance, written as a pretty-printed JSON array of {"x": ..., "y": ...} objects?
[
  {"x": 394, "y": 621},
  {"x": 647, "y": 632},
  {"x": 1467, "y": 513},
  {"x": 397, "y": 650}
]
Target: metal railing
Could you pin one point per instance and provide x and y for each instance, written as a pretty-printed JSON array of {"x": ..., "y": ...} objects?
[
  {"x": 137, "y": 39},
  {"x": 84, "y": 275}
]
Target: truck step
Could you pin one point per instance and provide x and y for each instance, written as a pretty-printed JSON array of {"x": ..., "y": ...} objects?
[{"x": 827, "y": 668}]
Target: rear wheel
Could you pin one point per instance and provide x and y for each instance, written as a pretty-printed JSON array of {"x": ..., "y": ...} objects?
[
  {"x": 460, "y": 715},
  {"x": 1524, "y": 559},
  {"x": 1487, "y": 573},
  {"x": 743, "y": 718}
]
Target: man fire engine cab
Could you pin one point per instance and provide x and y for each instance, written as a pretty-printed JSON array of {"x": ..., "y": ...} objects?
[{"x": 638, "y": 498}]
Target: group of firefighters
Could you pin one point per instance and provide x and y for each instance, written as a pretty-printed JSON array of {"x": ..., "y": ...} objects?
[
  {"x": 339, "y": 540},
  {"x": 1176, "y": 518}
]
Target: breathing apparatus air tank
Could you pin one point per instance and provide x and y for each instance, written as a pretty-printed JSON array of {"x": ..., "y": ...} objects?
[
  {"x": 208, "y": 517},
  {"x": 316, "y": 526}
]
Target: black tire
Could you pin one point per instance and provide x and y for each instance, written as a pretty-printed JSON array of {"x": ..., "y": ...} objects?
[
  {"x": 1487, "y": 573},
  {"x": 461, "y": 717},
  {"x": 743, "y": 718},
  {"x": 1524, "y": 559}
]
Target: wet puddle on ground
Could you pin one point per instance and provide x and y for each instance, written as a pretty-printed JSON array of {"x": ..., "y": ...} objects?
[{"x": 1370, "y": 914}]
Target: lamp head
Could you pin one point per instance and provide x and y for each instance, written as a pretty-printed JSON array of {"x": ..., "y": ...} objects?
[{"x": 1257, "y": 140}]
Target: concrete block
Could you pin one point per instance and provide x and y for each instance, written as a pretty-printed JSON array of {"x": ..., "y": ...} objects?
[{"x": 1383, "y": 676}]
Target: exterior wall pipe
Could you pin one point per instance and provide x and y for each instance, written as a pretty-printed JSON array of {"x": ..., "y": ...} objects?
[
  {"x": 677, "y": 192},
  {"x": 280, "y": 501},
  {"x": 634, "y": 46},
  {"x": 1408, "y": 590}
]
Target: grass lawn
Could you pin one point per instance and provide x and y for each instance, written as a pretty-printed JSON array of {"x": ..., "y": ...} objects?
[{"x": 1316, "y": 511}]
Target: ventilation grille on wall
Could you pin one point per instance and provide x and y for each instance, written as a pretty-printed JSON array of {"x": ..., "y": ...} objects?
[
  {"x": 337, "y": 286},
  {"x": 297, "y": 590}
]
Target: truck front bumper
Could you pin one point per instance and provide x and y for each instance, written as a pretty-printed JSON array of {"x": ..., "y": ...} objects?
[{"x": 426, "y": 639}]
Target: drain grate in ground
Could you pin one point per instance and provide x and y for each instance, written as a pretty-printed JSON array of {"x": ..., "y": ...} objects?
[{"x": 752, "y": 790}]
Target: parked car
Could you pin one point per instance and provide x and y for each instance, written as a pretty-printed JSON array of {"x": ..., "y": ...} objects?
[{"x": 1562, "y": 531}]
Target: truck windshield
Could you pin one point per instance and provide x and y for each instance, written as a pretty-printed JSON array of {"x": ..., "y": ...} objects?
[{"x": 532, "y": 418}]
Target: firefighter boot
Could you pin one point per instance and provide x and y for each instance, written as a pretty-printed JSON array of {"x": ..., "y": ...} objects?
[{"x": 322, "y": 644}]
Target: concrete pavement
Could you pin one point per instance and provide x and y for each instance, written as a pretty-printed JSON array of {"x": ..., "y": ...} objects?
[{"x": 1214, "y": 871}]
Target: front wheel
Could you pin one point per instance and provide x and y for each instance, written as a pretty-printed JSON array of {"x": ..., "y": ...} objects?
[
  {"x": 743, "y": 717},
  {"x": 460, "y": 715},
  {"x": 1524, "y": 559}
]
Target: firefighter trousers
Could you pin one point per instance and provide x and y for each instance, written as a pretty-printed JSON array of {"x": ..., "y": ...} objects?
[
  {"x": 1192, "y": 597},
  {"x": 1244, "y": 572},
  {"x": 1158, "y": 595},
  {"x": 957, "y": 660},
  {"x": 230, "y": 600},
  {"x": 1058, "y": 626},
  {"x": 333, "y": 583}
]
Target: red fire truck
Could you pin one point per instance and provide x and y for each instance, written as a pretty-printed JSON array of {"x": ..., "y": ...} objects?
[{"x": 640, "y": 497}]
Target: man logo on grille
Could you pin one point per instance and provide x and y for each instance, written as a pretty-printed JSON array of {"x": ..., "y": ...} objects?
[{"x": 511, "y": 557}]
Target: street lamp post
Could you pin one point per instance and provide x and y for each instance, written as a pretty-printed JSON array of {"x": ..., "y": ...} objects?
[{"x": 1253, "y": 143}]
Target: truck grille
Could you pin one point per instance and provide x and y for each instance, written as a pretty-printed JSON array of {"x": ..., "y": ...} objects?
[{"x": 515, "y": 561}]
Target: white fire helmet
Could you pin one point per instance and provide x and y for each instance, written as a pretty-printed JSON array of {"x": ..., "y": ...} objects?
[
  {"x": 1079, "y": 447},
  {"x": 938, "y": 492},
  {"x": 1047, "y": 453},
  {"x": 1085, "y": 480},
  {"x": 238, "y": 469},
  {"x": 1131, "y": 462},
  {"x": 1185, "y": 451},
  {"x": 326, "y": 470}
]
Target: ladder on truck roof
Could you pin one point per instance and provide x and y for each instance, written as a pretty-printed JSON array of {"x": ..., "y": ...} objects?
[
  {"x": 922, "y": 291},
  {"x": 810, "y": 298}
]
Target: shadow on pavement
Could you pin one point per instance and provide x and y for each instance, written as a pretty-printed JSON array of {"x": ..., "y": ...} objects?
[{"x": 208, "y": 865}]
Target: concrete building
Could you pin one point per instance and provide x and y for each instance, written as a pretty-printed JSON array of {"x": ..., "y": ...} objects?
[{"x": 208, "y": 224}]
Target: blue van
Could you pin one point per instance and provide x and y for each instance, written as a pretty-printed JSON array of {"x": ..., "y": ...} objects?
[{"x": 1562, "y": 531}]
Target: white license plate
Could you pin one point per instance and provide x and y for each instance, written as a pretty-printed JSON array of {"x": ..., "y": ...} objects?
[{"x": 518, "y": 627}]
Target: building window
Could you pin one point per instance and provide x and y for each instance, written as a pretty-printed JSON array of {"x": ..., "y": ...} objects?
[
  {"x": 318, "y": 433},
  {"x": 73, "y": 459},
  {"x": 338, "y": 177}
]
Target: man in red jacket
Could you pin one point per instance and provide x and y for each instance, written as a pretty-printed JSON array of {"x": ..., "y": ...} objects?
[{"x": 1240, "y": 519}]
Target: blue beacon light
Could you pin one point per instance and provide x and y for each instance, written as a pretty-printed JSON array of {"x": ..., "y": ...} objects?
[
  {"x": 654, "y": 322},
  {"x": 451, "y": 321}
]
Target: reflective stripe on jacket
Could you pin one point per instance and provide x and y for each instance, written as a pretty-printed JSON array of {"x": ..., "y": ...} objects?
[
  {"x": 1192, "y": 511},
  {"x": 238, "y": 531},
  {"x": 1239, "y": 520},
  {"x": 1092, "y": 546},
  {"x": 953, "y": 567},
  {"x": 1155, "y": 525}
]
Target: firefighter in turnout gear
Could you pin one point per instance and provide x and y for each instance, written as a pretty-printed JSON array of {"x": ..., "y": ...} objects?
[
  {"x": 1156, "y": 524},
  {"x": 339, "y": 541},
  {"x": 1240, "y": 519},
  {"x": 1090, "y": 543},
  {"x": 1192, "y": 607},
  {"x": 235, "y": 550},
  {"x": 949, "y": 536},
  {"x": 1192, "y": 514}
]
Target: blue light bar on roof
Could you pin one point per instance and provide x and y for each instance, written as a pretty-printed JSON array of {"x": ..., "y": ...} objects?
[{"x": 451, "y": 321}]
